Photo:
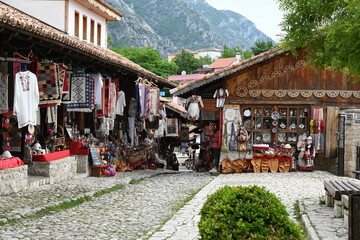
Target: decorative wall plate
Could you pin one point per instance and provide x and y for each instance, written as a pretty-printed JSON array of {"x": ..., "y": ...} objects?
[
  {"x": 280, "y": 93},
  {"x": 254, "y": 93},
  {"x": 241, "y": 91},
  {"x": 306, "y": 94},
  {"x": 345, "y": 94},
  {"x": 332, "y": 94},
  {"x": 356, "y": 94},
  {"x": 275, "y": 115},
  {"x": 264, "y": 78},
  {"x": 288, "y": 68},
  {"x": 247, "y": 113},
  {"x": 274, "y": 130},
  {"x": 293, "y": 94},
  {"x": 276, "y": 73},
  {"x": 267, "y": 93},
  {"x": 253, "y": 83}
]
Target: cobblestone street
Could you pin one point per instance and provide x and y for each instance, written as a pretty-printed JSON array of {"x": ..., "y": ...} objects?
[
  {"x": 154, "y": 206},
  {"x": 133, "y": 212}
]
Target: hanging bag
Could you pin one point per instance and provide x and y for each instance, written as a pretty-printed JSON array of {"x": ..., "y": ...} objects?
[{"x": 233, "y": 143}]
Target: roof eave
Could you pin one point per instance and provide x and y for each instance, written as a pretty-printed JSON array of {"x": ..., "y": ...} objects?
[{"x": 227, "y": 71}]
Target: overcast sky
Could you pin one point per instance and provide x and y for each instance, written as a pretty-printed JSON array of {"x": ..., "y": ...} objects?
[{"x": 265, "y": 14}]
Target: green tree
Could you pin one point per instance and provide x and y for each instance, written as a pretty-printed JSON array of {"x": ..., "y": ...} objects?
[
  {"x": 329, "y": 31},
  {"x": 262, "y": 46},
  {"x": 186, "y": 62},
  {"x": 227, "y": 52},
  {"x": 231, "y": 52},
  {"x": 207, "y": 60},
  {"x": 149, "y": 59}
]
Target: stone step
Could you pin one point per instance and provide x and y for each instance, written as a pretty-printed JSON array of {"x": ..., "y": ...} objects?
[{"x": 37, "y": 181}]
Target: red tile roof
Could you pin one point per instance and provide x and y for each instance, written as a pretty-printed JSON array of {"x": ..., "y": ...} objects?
[
  {"x": 223, "y": 62},
  {"x": 187, "y": 87},
  {"x": 12, "y": 18},
  {"x": 188, "y": 77}
]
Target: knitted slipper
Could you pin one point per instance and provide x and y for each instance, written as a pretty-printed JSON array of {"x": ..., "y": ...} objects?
[{"x": 274, "y": 165}]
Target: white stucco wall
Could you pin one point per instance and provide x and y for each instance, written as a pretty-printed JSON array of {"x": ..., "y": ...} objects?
[
  {"x": 54, "y": 13},
  {"x": 49, "y": 11},
  {"x": 74, "y": 6},
  {"x": 212, "y": 54}
]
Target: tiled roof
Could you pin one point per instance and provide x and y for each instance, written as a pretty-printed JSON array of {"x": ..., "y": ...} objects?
[
  {"x": 209, "y": 78},
  {"x": 12, "y": 18},
  {"x": 174, "y": 107},
  {"x": 187, "y": 77},
  {"x": 223, "y": 62},
  {"x": 102, "y": 8}
]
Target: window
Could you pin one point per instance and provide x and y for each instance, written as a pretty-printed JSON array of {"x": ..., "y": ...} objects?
[
  {"x": 85, "y": 27},
  {"x": 99, "y": 34},
  {"x": 92, "y": 30},
  {"x": 77, "y": 24},
  {"x": 276, "y": 124}
]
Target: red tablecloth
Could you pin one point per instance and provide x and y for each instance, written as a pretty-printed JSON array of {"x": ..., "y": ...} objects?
[
  {"x": 76, "y": 148},
  {"x": 51, "y": 156},
  {"x": 11, "y": 163}
]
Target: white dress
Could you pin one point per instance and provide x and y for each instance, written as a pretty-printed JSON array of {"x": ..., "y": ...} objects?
[
  {"x": 194, "y": 109},
  {"x": 26, "y": 98},
  {"x": 120, "y": 104}
]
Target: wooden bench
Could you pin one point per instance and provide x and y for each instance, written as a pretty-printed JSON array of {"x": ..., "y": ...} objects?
[
  {"x": 345, "y": 203},
  {"x": 357, "y": 173},
  {"x": 333, "y": 191}
]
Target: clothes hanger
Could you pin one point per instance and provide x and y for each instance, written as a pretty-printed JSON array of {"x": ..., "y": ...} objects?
[{"x": 17, "y": 54}]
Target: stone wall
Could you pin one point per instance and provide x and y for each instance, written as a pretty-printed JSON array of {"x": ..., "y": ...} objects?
[
  {"x": 57, "y": 170},
  {"x": 352, "y": 140},
  {"x": 13, "y": 179},
  {"x": 82, "y": 164}
]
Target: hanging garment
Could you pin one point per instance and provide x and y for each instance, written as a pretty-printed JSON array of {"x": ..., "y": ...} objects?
[
  {"x": 4, "y": 105},
  {"x": 132, "y": 107},
  {"x": 98, "y": 89},
  {"x": 120, "y": 103},
  {"x": 194, "y": 108},
  {"x": 137, "y": 100},
  {"x": 132, "y": 130},
  {"x": 26, "y": 98},
  {"x": 220, "y": 94}
]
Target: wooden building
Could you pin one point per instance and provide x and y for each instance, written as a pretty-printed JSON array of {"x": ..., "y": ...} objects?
[{"x": 306, "y": 100}]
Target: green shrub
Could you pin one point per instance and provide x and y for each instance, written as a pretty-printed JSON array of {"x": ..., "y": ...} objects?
[{"x": 246, "y": 213}]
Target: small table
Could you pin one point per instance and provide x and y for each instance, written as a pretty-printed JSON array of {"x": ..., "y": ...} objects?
[{"x": 96, "y": 170}]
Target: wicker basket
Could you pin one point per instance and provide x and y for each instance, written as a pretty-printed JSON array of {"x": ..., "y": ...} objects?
[{"x": 136, "y": 156}]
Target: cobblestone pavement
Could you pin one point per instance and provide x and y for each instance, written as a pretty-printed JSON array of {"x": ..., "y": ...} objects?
[
  {"x": 139, "y": 211},
  {"x": 133, "y": 212},
  {"x": 307, "y": 187}
]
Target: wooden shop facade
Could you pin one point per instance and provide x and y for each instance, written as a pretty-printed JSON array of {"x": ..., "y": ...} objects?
[{"x": 281, "y": 99}]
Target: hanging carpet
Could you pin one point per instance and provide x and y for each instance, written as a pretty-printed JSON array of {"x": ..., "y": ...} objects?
[
  {"x": 48, "y": 81},
  {"x": 81, "y": 91}
]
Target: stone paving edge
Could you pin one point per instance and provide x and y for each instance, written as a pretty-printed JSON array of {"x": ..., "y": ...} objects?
[{"x": 308, "y": 226}]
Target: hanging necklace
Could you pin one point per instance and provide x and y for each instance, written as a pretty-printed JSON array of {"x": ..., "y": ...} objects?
[{"x": 25, "y": 81}]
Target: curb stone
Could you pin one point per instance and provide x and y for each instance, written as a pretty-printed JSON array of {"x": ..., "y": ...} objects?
[{"x": 306, "y": 220}]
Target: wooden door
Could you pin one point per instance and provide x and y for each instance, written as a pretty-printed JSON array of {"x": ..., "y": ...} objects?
[{"x": 331, "y": 131}]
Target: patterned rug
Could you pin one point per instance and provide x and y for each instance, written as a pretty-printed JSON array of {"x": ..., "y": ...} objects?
[
  {"x": 48, "y": 81},
  {"x": 3, "y": 88},
  {"x": 81, "y": 91}
]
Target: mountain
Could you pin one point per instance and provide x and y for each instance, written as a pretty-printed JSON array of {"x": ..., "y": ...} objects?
[{"x": 170, "y": 26}]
